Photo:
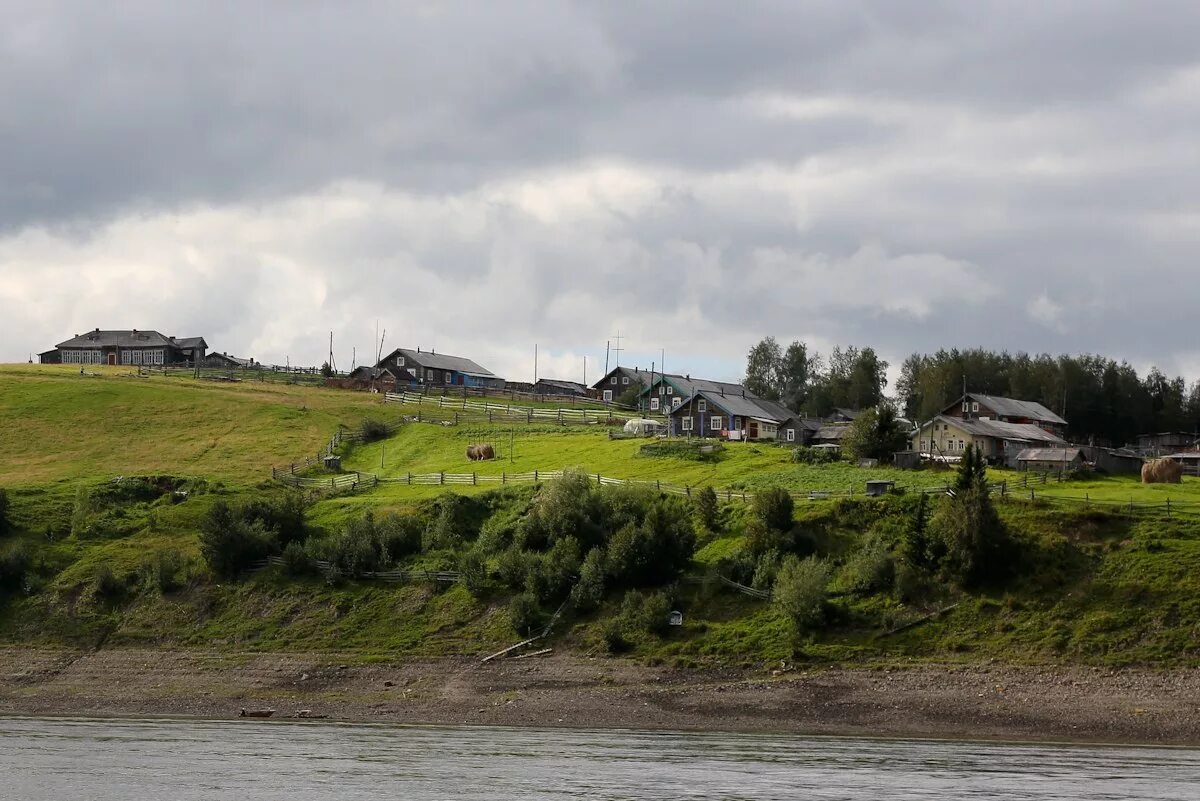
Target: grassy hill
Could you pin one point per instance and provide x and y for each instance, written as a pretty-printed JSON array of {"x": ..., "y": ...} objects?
[{"x": 120, "y": 563}]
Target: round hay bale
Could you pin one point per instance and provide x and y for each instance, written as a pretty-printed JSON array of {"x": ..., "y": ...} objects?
[{"x": 1162, "y": 471}]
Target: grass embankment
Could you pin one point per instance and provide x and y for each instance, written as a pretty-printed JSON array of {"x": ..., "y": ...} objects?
[{"x": 1093, "y": 586}]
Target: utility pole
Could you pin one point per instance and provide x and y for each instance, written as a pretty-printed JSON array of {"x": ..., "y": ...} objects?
[
  {"x": 607, "y": 346},
  {"x": 617, "y": 349},
  {"x": 535, "y": 355},
  {"x": 584, "y": 370}
]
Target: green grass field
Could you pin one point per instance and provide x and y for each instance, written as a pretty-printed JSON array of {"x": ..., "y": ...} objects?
[{"x": 1101, "y": 586}]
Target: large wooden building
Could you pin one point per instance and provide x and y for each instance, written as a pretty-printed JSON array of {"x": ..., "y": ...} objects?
[
  {"x": 131, "y": 347},
  {"x": 438, "y": 369}
]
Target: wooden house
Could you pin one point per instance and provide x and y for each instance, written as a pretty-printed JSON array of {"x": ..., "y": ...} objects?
[
  {"x": 226, "y": 362},
  {"x": 666, "y": 392},
  {"x": 438, "y": 369},
  {"x": 617, "y": 381},
  {"x": 552, "y": 386},
  {"x": 132, "y": 347},
  {"x": 974, "y": 406},
  {"x": 945, "y": 438},
  {"x": 1166, "y": 442},
  {"x": 1056, "y": 460},
  {"x": 728, "y": 416}
]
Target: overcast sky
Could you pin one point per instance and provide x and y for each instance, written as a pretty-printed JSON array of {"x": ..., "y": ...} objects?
[{"x": 481, "y": 177}]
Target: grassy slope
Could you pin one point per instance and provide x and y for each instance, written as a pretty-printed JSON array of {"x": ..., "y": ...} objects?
[
  {"x": 1105, "y": 589},
  {"x": 59, "y": 425}
]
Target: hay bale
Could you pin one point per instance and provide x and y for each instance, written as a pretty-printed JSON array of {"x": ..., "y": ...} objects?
[
  {"x": 478, "y": 453},
  {"x": 1162, "y": 471}
]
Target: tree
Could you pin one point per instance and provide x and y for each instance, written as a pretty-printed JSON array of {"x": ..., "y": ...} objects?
[
  {"x": 801, "y": 591},
  {"x": 874, "y": 434},
  {"x": 763, "y": 366},
  {"x": 707, "y": 508},
  {"x": 774, "y": 507},
  {"x": 973, "y": 545},
  {"x": 326, "y": 369},
  {"x": 795, "y": 375}
]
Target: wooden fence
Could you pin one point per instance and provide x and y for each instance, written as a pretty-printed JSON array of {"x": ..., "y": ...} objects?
[
  {"x": 504, "y": 411},
  {"x": 392, "y": 576}
]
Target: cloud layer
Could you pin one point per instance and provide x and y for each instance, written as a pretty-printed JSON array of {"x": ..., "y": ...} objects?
[{"x": 481, "y": 177}]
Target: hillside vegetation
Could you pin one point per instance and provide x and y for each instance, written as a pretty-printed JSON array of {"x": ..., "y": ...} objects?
[{"x": 89, "y": 560}]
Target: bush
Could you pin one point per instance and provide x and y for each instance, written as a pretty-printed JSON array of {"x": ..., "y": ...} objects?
[
  {"x": 357, "y": 550},
  {"x": 297, "y": 562},
  {"x": 974, "y": 545},
  {"x": 801, "y": 591},
  {"x": 613, "y": 635},
  {"x": 284, "y": 516},
  {"x": 398, "y": 536},
  {"x": 707, "y": 509},
  {"x": 871, "y": 568},
  {"x": 766, "y": 569},
  {"x": 161, "y": 571},
  {"x": 588, "y": 592},
  {"x": 807, "y": 455},
  {"x": 513, "y": 567},
  {"x": 774, "y": 507},
  {"x": 656, "y": 551},
  {"x": 551, "y": 576},
  {"x": 473, "y": 573},
  {"x": 14, "y": 568},
  {"x": 646, "y": 613},
  {"x": 373, "y": 430},
  {"x": 761, "y": 539},
  {"x": 526, "y": 614},
  {"x": 229, "y": 543},
  {"x": 107, "y": 586},
  {"x": 451, "y": 523}
]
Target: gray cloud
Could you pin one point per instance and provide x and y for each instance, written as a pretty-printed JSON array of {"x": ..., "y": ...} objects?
[{"x": 1001, "y": 174}]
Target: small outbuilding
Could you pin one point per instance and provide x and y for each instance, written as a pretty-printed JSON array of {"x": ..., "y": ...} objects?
[
  {"x": 1051, "y": 459},
  {"x": 643, "y": 427}
]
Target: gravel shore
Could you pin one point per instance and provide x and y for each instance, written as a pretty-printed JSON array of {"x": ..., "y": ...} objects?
[{"x": 983, "y": 702}]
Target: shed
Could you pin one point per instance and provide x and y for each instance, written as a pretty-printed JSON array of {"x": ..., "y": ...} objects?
[
  {"x": 1051, "y": 459},
  {"x": 908, "y": 460},
  {"x": 643, "y": 427},
  {"x": 879, "y": 487}
]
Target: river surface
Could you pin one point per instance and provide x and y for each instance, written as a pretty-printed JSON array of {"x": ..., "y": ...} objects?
[{"x": 86, "y": 760}]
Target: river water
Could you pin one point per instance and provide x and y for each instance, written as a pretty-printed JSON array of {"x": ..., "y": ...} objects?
[{"x": 94, "y": 760}]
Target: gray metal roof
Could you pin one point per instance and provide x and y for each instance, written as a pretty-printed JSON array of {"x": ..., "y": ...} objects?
[
  {"x": 125, "y": 339},
  {"x": 637, "y": 374},
  {"x": 739, "y": 406},
  {"x": 1049, "y": 455},
  {"x": 832, "y": 431},
  {"x": 1010, "y": 407},
  {"x": 1015, "y": 432},
  {"x": 439, "y": 361},
  {"x": 574, "y": 386},
  {"x": 190, "y": 343}
]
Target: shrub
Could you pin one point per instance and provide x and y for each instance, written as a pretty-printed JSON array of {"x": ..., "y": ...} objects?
[
  {"x": 975, "y": 546},
  {"x": 398, "y": 536},
  {"x": 871, "y": 568},
  {"x": 774, "y": 507},
  {"x": 807, "y": 455},
  {"x": 550, "y": 577},
  {"x": 372, "y": 430},
  {"x": 656, "y": 551},
  {"x": 801, "y": 591},
  {"x": 229, "y": 543},
  {"x": 107, "y": 586},
  {"x": 613, "y": 635},
  {"x": 647, "y": 613},
  {"x": 473, "y": 573},
  {"x": 14, "y": 567},
  {"x": 357, "y": 550},
  {"x": 451, "y": 525},
  {"x": 161, "y": 571},
  {"x": 297, "y": 562},
  {"x": 761, "y": 539},
  {"x": 707, "y": 510},
  {"x": 525, "y": 614},
  {"x": 283, "y": 516},
  {"x": 766, "y": 569},
  {"x": 513, "y": 566},
  {"x": 564, "y": 508},
  {"x": 588, "y": 592}
]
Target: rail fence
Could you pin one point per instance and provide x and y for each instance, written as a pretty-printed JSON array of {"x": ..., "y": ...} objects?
[
  {"x": 392, "y": 576},
  {"x": 503, "y": 411}
]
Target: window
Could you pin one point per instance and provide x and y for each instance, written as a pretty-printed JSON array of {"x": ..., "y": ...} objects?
[
  {"x": 624, "y": 379},
  {"x": 654, "y": 404},
  {"x": 613, "y": 380},
  {"x": 961, "y": 446},
  {"x": 676, "y": 402},
  {"x": 974, "y": 406},
  {"x": 429, "y": 375},
  {"x": 662, "y": 390},
  {"x": 685, "y": 424},
  {"x": 945, "y": 426},
  {"x": 791, "y": 435},
  {"x": 608, "y": 396},
  {"x": 399, "y": 361},
  {"x": 714, "y": 422},
  {"x": 670, "y": 390},
  {"x": 702, "y": 405},
  {"x": 966, "y": 406},
  {"x": 449, "y": 377},
  {"x": 924, "y": 445}
]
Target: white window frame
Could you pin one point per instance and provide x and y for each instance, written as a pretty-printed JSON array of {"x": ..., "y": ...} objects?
[
  {"x": 791, "y": 435},
  {"x": 429, "y": 376},
  {"x": 662, "y": 390},
  {"x": 685, "y": 424},
  {"x": 974, "y": 406},
  {"x": 670, "y": 389},
  {"x": 714, "y": 423},
  {"x": 608, "y": 396},
  {"x": 624, "y": 379},
  {"x": 613, "y": 380},
  {"x": 702, "y": 405},
  {"x": 399, "y": 361},
  {"x": 654, "y": 404},
  {"x": 676, "y": 402},
  {"x": 966, "y": 406},
  {"x": 448, "y": 378}
]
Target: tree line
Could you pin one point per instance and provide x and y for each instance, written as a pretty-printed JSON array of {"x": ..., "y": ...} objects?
[{"x": 1103, "y": 400}]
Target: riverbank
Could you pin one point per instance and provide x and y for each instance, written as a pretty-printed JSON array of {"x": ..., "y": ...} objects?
[{"x": 983, "y": 702}]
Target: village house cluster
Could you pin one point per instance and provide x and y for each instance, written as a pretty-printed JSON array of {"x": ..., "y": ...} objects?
[{"x": 1016, "y": 433}]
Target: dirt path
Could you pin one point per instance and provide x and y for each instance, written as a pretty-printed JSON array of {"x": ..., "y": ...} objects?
[{"x": 1137, "y": 706}]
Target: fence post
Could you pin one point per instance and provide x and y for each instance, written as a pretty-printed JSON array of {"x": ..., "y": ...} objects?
[
  {"x": 410, "y": 479},
  {"x": 529, "y": 415},
  {"x": 1031, "y": 494},
  {"x": 293, "y": 468},
  {"x": 332, "y": 483},
  {"x": 728, "y": 495},
  {"x": 659, "y": 485},
  {"x": 503, "y": 477},
  {"x": 535, "y": 476},
  {"x": 443, "y": 475},
  {"x": 474, "y": 480},
  {"x": 1168, "y": 507},
  {"x": 688, "y": 490}
]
